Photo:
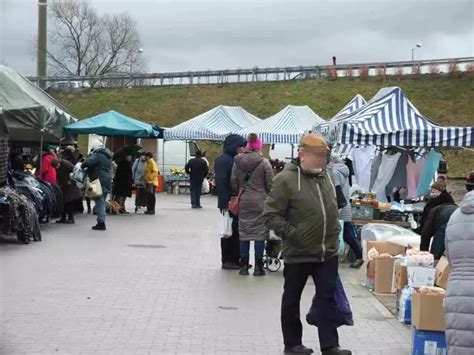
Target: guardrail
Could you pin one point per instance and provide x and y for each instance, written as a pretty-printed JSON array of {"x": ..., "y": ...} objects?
[{"x": 253, "y": 74}]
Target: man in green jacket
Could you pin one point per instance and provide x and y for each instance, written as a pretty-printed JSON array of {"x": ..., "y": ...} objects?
[{"x": 302, "y": 209}]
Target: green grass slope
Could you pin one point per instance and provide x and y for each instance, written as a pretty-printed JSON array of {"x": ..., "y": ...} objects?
[{"x": 446, "y": 101}]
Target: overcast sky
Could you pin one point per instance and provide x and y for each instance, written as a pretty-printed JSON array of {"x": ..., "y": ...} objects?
[{"x": 192, "y": 35}]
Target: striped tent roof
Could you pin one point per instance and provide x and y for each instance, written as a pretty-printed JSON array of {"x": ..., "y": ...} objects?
[
  {"x": 328, "y": 129},
  {"x": 390, "y": 119},
  {"x": 213, "y": 125},
  {"x": 286, "y": 126},
  {"x": 357, "y": 102}
]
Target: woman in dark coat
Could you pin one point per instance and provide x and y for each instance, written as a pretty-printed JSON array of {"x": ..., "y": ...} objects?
[
  {"x": 123, "y": 182},
  {"x": 69, "y": 188},
  {"x": 438, "y": 196},
  {"x": 253, "y": 174}
]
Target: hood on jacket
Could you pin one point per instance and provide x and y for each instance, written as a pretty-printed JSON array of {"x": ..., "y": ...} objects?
[
  {"x": 467, "y": 204},
  {"x": 294, "y": 165},
  {"x": 232, "y": 142},
  {"x": 341, "y": 168},
  {"x": 248, "y": 161},
  {"x": 104, "y": 151}
]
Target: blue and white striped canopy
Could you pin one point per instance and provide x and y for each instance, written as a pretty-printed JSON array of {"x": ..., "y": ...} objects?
[
  {"x": 329, "y": 129},
  {"x": 356, "y": 103},
  {"x": 213, "y": 125},
  {"x": 286, "y": 126},
  {"x": 390, "y": 119}
]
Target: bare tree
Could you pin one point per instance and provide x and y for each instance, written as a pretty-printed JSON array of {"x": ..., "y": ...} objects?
[{"x": 84, "y": 43}]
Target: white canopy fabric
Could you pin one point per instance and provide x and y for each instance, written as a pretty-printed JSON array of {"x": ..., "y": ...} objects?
[
  {"x": 286, "y": 126},
  {"x": 213, "y": 125}
]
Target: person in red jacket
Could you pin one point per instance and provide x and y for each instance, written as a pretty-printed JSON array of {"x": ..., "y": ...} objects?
[{"x": 48, "y": 172}]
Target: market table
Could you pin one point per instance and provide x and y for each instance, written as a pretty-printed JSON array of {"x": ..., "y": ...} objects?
[{"x": 363, "y": 222}]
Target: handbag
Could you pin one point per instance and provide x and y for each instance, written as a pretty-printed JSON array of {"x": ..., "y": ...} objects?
[
  {"x": 93, "y": 189},
  {"x": 234, "y": 202}
]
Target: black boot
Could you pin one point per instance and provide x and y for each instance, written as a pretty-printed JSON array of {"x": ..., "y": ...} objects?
[
  {"x": 244, "y": 266},
  {"x": 298, "y": 349},
  {"x": 336, "y": 351},
  {"x": 258, "y": 271},
  {"x": 100, "y": 226}
]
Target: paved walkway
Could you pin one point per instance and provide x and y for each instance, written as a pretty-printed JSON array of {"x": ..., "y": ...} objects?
[{"x": 153, "y": 285}]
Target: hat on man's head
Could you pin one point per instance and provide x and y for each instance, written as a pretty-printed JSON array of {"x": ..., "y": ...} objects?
[
  {"x": 314, "y": 142},
  {"x": 439, "y": 185}
]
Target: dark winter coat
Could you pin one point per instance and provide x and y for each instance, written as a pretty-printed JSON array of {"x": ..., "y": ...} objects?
[
  {"x": 432, "y": 203},
  {"x": 223, "y": 169},
  {"x": 435, "y": 226},
  {"x": 123, "y": 179},
  {"x": 98, "y": 165},
  {"x": 459, "y": 302},
  {"x": 302, "y": 209},
  {"x": 69, "y": 188},
  {"x": 260, "y": 175},
  {"x": 197, "y": 169}
]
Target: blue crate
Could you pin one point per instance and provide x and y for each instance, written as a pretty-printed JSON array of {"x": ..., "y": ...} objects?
[{"x": 426, "y": 342}]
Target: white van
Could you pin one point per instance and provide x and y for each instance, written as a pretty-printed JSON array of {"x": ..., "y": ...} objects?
[{"x": 168, "y": 154}]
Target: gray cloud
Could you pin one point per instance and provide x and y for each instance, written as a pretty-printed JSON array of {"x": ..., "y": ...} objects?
[{"x": 189, "y": 35}]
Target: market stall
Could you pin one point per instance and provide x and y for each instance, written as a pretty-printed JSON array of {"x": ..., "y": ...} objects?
[
  {"x": 29, "y": 118},
  {"x": 213, "y": 125},
  {"x": 286, "y": 126}
]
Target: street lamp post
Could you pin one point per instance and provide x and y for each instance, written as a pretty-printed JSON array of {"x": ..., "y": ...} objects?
[
  {"x": 139, "y": 51},
  {"x": 418, "y": 45}
]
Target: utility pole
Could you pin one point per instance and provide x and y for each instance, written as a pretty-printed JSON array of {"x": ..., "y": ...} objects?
[{"x": 42, "y": 42}]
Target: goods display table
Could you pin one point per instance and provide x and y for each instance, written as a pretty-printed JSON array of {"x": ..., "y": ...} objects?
[
  {"x": 363, "y": 222},
  {"x": 177, "y": 184}
]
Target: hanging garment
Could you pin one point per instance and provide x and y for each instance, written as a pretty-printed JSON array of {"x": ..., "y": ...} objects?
[
  {"x": 428, "y": 172},
  {"x": 362, "y": 158},
  {"x": 413, "y": 175},
  {"x": 375, "y": 169},
  {"x": 399, "y": 178},
  {"x": 385, "y": 172}
]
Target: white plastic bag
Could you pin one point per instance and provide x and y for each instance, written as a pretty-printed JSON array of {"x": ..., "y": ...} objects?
[
  {"x": 78, "y": 175},
  {"x": 342, "y": 245},
  {"x": 225, "y": 225},
  {"x": 205, "y": 189}
]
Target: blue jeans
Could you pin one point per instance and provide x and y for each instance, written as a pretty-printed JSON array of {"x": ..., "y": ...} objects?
[
  {"x": 100, "y": 203},
  {"x": 259, "y": 246}
]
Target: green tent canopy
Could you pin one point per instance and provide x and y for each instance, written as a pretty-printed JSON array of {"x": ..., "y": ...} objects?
[
  {"x": 114, "y": 123},
  {"x": 28, "y": 112}
]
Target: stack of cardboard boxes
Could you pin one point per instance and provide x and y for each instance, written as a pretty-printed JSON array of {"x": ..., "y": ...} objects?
[
  {"x": 389, "y": 274},
  {"x": 428, "y": 316},
  {"x": 380, "y": 269}
]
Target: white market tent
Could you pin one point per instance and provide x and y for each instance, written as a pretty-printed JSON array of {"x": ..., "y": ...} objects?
[
  {"x": 286, "y": 126},
  {"x": 214, "y": 125}
]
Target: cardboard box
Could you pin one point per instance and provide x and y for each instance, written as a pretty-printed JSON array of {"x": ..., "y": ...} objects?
[
  {"x": 420, "y": 276},
  {"x": 385, "y": 247},
  {"x": 443, "y": 269},
  {"x": 383, "y": 275},
  {"x": 382, "y": 247},
  {"x": 401, "y": 276},
  {"x": 427, "y": 312},
  {"x": 428, "y": 343}
]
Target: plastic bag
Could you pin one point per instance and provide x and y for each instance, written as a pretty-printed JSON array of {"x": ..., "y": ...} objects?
[
  {"x": 342, "y": 245},
  {"x": 404, "y": 310},
  {"x": 205, "y": 189},
  {"x": 340, "y": 316},
  {"x": 78, "y": 175},
  {"x": 225, "y": 225}
]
